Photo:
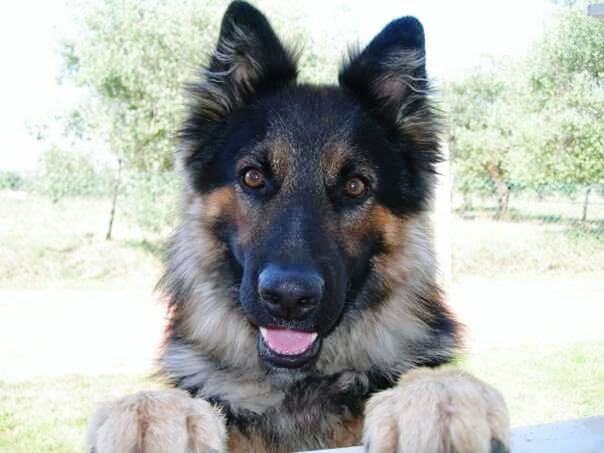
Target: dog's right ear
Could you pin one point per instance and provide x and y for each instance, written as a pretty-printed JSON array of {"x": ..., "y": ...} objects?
[{"x": 249, "y": 60}]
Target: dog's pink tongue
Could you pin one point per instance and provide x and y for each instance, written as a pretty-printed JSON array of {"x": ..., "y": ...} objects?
[{"x": 289, "y": 342}]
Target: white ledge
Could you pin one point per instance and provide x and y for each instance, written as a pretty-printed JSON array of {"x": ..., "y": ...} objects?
[{"x": 574, "y": 436}]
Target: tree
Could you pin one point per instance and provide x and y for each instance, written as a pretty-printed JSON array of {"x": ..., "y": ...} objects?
[
  {"x": 482, "y": 132},
  {"x": 133, "y": 58},
  {"x": 537, "y": 120},
  {"x": 566, "y": 103}
]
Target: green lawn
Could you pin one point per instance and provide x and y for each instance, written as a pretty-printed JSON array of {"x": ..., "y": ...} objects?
[
  {"x": 50, "y": 415},
  {"x": 46, "y": 244},
  {"x": 545, "y": 383}
]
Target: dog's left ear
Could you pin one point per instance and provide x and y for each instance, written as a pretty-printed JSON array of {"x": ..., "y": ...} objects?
[{"x": 389, "y": 78}]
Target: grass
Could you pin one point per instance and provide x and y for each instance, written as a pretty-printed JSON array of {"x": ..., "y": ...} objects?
[
  {"x": 540, "y": 383},
  {"x": 490, "y": 248},
  {"x": 52, "y": 256},
  {"x": 49, "y": 245},
  {"x": 536, "y": 238},
  {"x": 50, "y": 415},
  {"x": 544, "y": 383},
  {"x": 526, "y": 207}
]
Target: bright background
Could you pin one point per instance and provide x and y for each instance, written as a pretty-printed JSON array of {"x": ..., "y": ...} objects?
[{"x": 79, "y": 320}]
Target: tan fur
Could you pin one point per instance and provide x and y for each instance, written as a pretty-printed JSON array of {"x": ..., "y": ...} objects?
[
  {"x": 431, "y": 411},
  {"x": 349, "y": 433},
  {"x": 171, "y": 421},
  {"x": 436, "y": 411},
  {"x": 388, "y": 225},
  {"x": 232, "y": 339},
  {"x": 157, "y": 422},
  {"x": 373, "y": 220},
  {"x": 238, "y": 443},
  {"x": 382, "y": 337},
  {"x": 343, "y": 435},
  {"x": 219, "y": 203},
  {"x": 334, "y": 157},
  {"x": 279, "y": 154}
]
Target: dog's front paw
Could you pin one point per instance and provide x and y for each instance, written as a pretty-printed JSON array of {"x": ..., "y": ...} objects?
[
  {"x": 157, "y": 422},
  {"x": 437, "y": 411}
]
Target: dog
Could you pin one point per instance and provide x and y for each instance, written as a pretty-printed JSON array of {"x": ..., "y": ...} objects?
[{"x": 304, "y": 309}]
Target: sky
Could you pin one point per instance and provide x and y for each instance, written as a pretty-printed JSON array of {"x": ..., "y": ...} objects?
[{"x": 458, "y": 34}]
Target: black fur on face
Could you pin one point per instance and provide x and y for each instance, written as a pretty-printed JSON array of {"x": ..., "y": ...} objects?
[{"x": 312, "y": 148}]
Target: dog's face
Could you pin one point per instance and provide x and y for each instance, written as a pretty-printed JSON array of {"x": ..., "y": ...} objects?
[{"x": 305, "y": 186}]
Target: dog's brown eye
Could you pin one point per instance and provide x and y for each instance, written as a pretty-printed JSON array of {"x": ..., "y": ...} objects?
[
  {"x": 253, "y": 178},
  {"x": 355, "y": 187}
]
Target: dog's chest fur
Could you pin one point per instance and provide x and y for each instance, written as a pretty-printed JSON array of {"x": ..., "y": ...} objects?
[{"x": 276, "y": 412}]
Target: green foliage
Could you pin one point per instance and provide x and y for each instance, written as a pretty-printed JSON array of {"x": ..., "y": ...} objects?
[
  {"x": 483, "y": 133},
  {"x": 62, "y": 245},
  {"x": 481, "y": 118},
  {"x": 11, "y": 180},
  {"x": 134, "y": 57},
  {"x": 575, "y": 45},
  {"x": 537, "y": 121},
  {"x": 70, "y": 173},
  {"x": 564, "y": 103},
  {"x": 150, "y": 200}
]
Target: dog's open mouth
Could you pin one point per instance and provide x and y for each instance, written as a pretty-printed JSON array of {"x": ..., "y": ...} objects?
[{"x": 288, "y": 348}]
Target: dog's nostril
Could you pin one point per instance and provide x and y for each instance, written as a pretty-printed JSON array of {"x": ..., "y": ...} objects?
[{"x": 289, "y": 293}]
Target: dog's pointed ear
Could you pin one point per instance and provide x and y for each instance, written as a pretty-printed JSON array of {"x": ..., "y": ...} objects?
[
  {"x": 389, "y": 77},
  {"x": 249, "y": 60}
]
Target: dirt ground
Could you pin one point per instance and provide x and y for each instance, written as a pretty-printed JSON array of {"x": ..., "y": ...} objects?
[
  {"x": 536, "y": 311},
  {"x": 92, "y": 332},
  {"x": 86, "y": 332}
]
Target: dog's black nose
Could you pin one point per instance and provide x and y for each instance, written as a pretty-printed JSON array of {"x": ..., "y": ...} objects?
[{"x": 289, "y": 293}]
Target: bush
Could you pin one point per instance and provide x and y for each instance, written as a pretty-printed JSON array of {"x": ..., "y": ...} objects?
[
  {"x": 150, "y": 199},
  {"x": 69, "y": 173},
  {"x": 11, "y": 180}
]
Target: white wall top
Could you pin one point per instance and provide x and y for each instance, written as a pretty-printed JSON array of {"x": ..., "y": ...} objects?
[{"x": 575, "y": 436}]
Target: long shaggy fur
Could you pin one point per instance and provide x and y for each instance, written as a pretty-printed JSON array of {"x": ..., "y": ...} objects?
[{"x": 380, "y": 317}]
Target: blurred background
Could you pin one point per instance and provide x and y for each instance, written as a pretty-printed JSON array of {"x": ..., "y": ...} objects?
[{"x": 91, "y": 94}]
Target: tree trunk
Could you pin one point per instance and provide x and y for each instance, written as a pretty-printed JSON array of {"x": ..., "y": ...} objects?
[
  {"x": 585, "y": 204},
  {"x": 506, "y": 199},
  {"x": 116, "y": 191},
  {"x": 468, "y": 204},
  {"x": 502, "y": 189}
]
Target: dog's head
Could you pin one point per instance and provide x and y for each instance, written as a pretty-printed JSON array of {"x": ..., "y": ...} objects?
[{"x": 304, "y": 186}]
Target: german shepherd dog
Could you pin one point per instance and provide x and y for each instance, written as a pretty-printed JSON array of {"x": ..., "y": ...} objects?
[{"x": 304, "y": 310}]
